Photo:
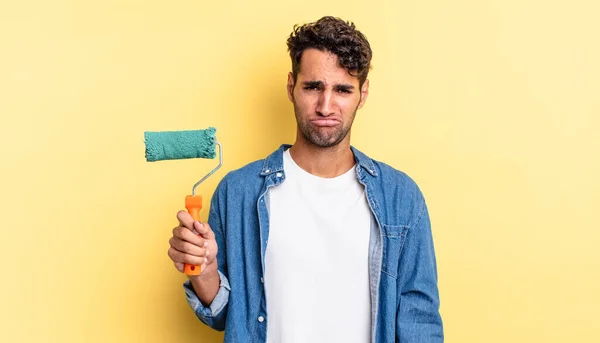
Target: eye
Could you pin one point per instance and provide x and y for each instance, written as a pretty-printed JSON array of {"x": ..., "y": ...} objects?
[
  {"x": 311, "y": 87},
  {"x": 344, "y": 90}
]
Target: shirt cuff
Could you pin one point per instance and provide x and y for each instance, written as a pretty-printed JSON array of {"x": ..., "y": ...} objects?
[{"x": 218, "y": 303}]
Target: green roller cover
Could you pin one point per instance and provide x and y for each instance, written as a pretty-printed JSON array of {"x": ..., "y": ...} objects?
[{"x": 174, "y": 145}]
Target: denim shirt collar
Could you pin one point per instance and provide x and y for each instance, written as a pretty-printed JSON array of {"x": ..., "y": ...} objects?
[{"x": 274, "y": 162}]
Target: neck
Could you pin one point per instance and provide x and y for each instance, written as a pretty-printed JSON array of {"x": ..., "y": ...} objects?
[{"x": 323, "y": 162}]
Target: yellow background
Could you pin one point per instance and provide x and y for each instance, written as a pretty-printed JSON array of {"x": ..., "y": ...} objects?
[{"x": 491, "y": 106}]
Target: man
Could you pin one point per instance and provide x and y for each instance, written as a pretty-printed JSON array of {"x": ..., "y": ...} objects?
[{"x": 317, "y": 242}]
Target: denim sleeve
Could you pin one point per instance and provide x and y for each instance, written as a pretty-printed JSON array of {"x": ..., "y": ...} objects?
[
  {"x": 418, "y": 317},
  {"x": 213, "y": 315},
  {"x": 216, "y": 313}
]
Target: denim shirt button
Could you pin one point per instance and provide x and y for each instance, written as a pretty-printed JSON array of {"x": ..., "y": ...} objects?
[
  {"x": 278, "y": 174},
  {"x": 261, "y": 319},
  {"x": 268, "y": 170},
  {"x": 262, "y": 280}
]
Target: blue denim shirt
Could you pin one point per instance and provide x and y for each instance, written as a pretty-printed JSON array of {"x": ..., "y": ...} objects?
[{"x": 402, "y": 263}]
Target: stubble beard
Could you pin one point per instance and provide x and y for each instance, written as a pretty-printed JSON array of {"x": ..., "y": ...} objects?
[{"x": 323, "y": 137}]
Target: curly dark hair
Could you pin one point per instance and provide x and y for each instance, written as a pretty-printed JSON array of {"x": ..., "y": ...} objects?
[{"x": 336, "y": 36}]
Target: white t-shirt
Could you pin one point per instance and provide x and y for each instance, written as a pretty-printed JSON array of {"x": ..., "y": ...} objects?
[{"x": 316, "y": 263}]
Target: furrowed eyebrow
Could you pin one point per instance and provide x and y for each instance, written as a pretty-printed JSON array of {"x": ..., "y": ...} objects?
[
  {"x": 313, "y": 84},
  {"x": 344, "y": 87},
  {"x": 319, "y": 84}
]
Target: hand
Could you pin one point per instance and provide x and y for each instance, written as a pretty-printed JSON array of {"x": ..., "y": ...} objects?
[{"x": 193, "y": 243}]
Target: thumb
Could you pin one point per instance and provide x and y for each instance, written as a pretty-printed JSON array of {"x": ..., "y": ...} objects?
[
  {"x": 204, "y": 230},
  {"x": 185, "y": 219}
]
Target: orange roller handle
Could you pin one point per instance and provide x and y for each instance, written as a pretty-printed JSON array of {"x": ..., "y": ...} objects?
[{"x": 193, "y": 204}]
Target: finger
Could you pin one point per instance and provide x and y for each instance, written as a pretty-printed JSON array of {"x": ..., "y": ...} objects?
[
  {"x": 210, "y": 259},
  {"x": 187, "y": 247},
  {"x": 179, "y": 257},
  {"x": 204, "y": 230},
  {"x": 185, "y": 219},
  {"x": 189, "y": 236},
  {"x": 179, "y": 266}
]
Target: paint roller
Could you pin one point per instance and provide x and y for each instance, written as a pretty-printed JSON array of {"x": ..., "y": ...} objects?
[{"x": 175, "y": 145}]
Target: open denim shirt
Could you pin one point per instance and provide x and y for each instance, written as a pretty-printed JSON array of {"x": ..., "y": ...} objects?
[{"x": 402, "y": 263}]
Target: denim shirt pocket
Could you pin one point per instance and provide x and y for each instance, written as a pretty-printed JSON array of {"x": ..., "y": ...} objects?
[{"x": 393, "y": 241}]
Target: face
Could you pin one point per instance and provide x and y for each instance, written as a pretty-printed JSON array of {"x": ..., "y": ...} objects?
[{"x": 326, "y": 98}]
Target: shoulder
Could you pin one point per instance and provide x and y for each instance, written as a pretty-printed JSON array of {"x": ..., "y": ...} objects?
[
  {"x": 252, "y": 175},
  {"x": 244, "y": 174},
  {"x": 385, "y": 174},
  {"x": 398, "y": 192},
  {"x": 393, "y": 176},
  {"x": 240, "y": 180}
]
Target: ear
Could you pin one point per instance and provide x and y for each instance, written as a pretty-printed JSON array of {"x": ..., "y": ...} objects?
[
  {"x": 290, "y": 87},
  {"x": 364, "y": 93}
]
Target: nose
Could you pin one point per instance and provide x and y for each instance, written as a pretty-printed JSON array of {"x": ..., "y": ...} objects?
[{"x": 324, "y": 106}]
